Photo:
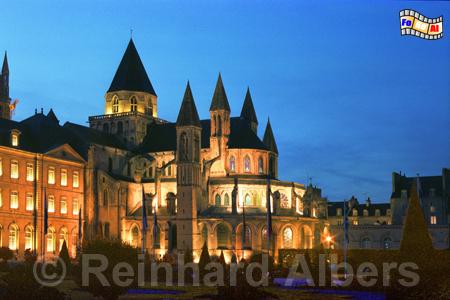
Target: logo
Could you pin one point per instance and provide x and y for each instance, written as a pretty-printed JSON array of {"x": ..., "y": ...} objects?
[{"x": 413, "y": 23}]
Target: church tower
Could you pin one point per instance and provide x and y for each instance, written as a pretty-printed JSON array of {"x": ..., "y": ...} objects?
[
  {"x": 269, "y": 141},
  {"x": 220, "y": 119},
  {"x": 248, "y": 113},
  {"x": 188, "y": 129},
  {"x": 130, "y": 102},
  {"x": 5, "y": 101}
]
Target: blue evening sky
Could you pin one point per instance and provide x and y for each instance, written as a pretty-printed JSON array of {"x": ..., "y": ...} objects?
[{"x": 350, "y": 100}]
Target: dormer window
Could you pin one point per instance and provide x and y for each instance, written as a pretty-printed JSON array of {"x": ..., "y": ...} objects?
[{"x": 15, "y": 137}]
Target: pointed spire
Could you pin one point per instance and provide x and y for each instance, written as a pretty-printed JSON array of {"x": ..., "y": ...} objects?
[
  {"x": 51, "y": 116},
  {"x": 131, "y": 74},
  {"x": 5, "y": 67},
  {"x": 269, "y": 139},
  {"x": 188, "y": 112},
  {"x": 219, "y": 100},
  {"x": 248, "y": 112}
]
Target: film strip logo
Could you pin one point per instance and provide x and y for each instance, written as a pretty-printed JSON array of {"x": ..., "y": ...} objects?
[{"x": 413, "y": 23}]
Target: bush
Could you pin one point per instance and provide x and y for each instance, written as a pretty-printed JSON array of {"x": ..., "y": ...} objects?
[
  {"x": 115, "y": 252},
  {"x": 6, "y": 253}
]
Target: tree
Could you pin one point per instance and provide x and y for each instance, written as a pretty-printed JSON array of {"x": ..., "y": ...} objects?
[
  {"x": 6, "y": 253},
  {"x": 416, "y": 241},
  {"x": 204, "y": 260},
  {"x": 115, "y": 252},
  {"x": 64, "y": 257}
]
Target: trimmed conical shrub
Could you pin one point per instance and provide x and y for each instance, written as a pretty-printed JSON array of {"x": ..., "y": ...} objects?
[{"x": 416, "y": 240}]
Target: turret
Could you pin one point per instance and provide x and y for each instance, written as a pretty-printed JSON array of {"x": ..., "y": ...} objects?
[
  {"x": 130, "y": 102},
  {"x": 269, "y": 141},
  {"x": 220, "y": 111},
  {"x": 188, "y": 130},
  {"x": 5, "y": 101},
  {"x": 248, "y": 114}
]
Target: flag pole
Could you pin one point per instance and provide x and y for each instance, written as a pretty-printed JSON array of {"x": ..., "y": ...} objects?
[
  {"x": 144, "y": 220},
  {"x": 269, "y": 216},
  {"x": 45, "y": 227},
  {"x": 243, "y": 229}
]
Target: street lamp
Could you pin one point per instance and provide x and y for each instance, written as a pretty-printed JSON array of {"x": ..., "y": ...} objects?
[{"x": 351, "y": 203}]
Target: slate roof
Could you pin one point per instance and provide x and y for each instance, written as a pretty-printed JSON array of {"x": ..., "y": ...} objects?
[
  {"x": 5, "y": 67},
  {"x": 248, "y": 110},
  {"x": 426, "y": 184},
  {"x": 269, "y": 139},
  {"x": 219, "y": 100},
  {"x": 188, "y": 115},
  {"x": 131, "y": 74},
  {"x": 87, "y": 136},
  {"x": 162, "y": 137},
  {"x": 383, "y": 207},
  {"x": 39, "y": 133}
]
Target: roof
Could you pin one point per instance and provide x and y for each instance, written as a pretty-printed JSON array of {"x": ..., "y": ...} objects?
[
  {"x": 87, "y": 136},
  {"x": 5, "y": 68},
  {"x": 248, "y": 110},
  {"x": 427, "y": 183},
  {"x": 383, "y": 207},
  {"x": 188, "y": 115},
  {"x": 131, "y": 74},
  {"x": 162, "y": 137},
  {"x": 219, "y": 100},
  {"x": 269, "y": 138},
  {"x": 38, "y": 133}
]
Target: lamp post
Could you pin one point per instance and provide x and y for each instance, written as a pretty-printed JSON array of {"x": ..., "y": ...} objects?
[{"x": 351, "y": 203}]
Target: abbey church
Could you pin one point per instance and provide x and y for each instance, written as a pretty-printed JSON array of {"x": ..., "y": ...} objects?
[{"x": 194, "y": 181}]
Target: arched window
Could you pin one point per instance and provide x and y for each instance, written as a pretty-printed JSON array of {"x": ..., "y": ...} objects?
[
  {"x": 248, "y": 200},
  {"x": 260, "y": 166},
  {"x": 284, "y": 201},
  {"x": 226, "y": 200},
  {"x": 288, "y": 236},
  {"x": 219, "y": 130},
  {"x": 387, "y": 243},
  {"x": 247, "y": 164},
  {"x": 218, "y": 200},
  {"x": 51, "y": 240},
  {"x": 106, "y": 127},
  {"x": 163, "y": 172},
  {"x": 184, "y": 147},
  {"x": 157, "y": 238},
  {"x": 110, "y": 164},
  {"x": 150, "y": 108},
  {"x": 264, "y": 238},
  {"x": 134, "y": 240},
  {"x": 29, "y": 237},
  {"x": 223, "y": 236},
  {"x": 365, "y": 243},
  {"x": 172, "y": 237},
  {"x": 247, "y": 238},
  {"x": 119, "y": 127},
  {"x": 133, "y": 103},
  {"x": 232, "y": 164},
  {"x": 105, "y": 197},
  {"x": 272, "y": 166},
  {"x": 215, "y": 126},
  {"x": 13, "y": 237},
  {"x": 205, "y": 235},
  {"x": 115, "y": 104},
  {"x": 63, "y": 237}
]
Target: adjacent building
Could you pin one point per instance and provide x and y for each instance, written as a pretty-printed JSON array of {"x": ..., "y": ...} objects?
[{"x": 380, "y": 225}]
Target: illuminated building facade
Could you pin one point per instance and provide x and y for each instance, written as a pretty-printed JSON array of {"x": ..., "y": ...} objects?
[{"x": 202, "y": 179}]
